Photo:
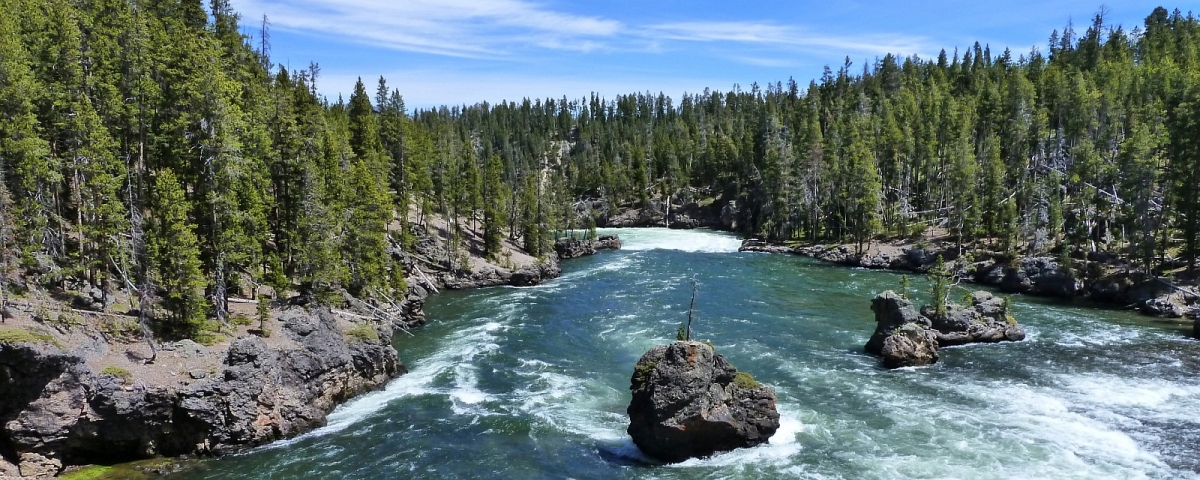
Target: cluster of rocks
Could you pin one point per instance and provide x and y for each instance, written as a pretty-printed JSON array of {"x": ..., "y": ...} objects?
[
  {"x": 1038, "y": 275},
  {"x": 571, "y": 247},
  {"x": 906, "y": 338},
  {"x": 715, "y": 215},
  {"x": 689, "y": 402},
  {"x": 57, "y": 411}
]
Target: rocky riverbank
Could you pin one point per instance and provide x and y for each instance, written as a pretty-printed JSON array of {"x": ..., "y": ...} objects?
[
  {"x": 82, "y": 389},
  {"x": 60, "y": 407},
  {"x": 1095, "y": 277}
]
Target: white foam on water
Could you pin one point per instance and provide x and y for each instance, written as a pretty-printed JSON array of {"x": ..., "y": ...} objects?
[
  {"x": 1077, "y": 443},
  {"x": 777, "y": 452},
  {"x": 454, "y": 357},
  {"x": 565, "y": 403},
  {"x": 1156, "y": 398},
  {"x": 707, "y": 241}
]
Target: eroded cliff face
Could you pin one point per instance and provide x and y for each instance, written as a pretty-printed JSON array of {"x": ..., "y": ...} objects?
[{"x": 57, "y": 410}]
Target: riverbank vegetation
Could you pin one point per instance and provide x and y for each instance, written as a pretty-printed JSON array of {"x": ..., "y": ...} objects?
[{"x": 153, "y": 146}]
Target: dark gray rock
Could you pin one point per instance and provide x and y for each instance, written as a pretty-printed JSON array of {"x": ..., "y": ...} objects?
[
  {"x": 608, "y": 242},
  {"x": 56, "y": 411},
  {"x": 892, "y": 311},
  {"x": 911, "y": 345},
  {"x": 985, "y": 321},
  {"x": 729, "y": 216},
  {"x": 1166, "y": 306},
  {"x": 568, "y": 248},
  {"x": 904, "y": 337},
  {"x": 690, "y": 402},
  {"x": 535, "y": 274},
  {"x": 760, "y": 246}
]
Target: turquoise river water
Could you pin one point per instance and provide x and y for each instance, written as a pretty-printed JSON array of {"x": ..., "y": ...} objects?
[{"x": 532, "y": 383}]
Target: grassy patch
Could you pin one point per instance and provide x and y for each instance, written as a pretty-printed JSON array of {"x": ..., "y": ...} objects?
[
  {"x": 241, "y": 320},
  {"x": 125, "y": 376},
  {"x": 95, "y": 472},
  {"x": 642, "y": 371},
  {"x": 363, "y": 333},
  {"x": 746, "y": 381},
  {"x": 120, "y": 326},
  {"x": 21, "y": 335},
  {"x": 124, "y": 471}
]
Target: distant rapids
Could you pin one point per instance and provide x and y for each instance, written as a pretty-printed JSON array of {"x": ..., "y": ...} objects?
[{"x": 533, "y": 382}]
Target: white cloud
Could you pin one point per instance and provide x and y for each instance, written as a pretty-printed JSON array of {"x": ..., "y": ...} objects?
[
  {"x": 783, "y": 36},
  {"x": 466, "y": 28}
]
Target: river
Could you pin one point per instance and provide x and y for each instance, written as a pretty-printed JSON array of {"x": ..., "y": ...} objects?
[{"x": 529, "y": 383}]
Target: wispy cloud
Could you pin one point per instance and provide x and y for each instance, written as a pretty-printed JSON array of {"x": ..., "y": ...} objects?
[
  {"x": 464, "y": 28},
  {"x": 783, "y": 36}
]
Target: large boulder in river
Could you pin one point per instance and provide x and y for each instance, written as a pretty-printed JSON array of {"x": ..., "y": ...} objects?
[
  {"x": 902, "y": 336},
  {"x": 689, "y": 402},
  {"x": 911, "y": 345},
  {"x": 985, "y": 321},
  {"x": 905, "y": 338},
  {"x": 892, "y": 311}
]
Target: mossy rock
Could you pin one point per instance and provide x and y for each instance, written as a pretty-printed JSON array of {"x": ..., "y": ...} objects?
[
  {"x": 16, "y": 336},
  {"x": 746, "y": 381},
  {"x": 122, "y": 374},
  {"x": 363, "y": 333},
  {"x": 642, "y": 372}
]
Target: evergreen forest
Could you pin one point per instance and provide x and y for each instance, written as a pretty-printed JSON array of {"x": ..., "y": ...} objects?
[{"x": 153, "y": 146}]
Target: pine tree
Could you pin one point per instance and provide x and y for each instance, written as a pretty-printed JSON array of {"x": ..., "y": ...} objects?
[
  {"x": 1185, "y": 169},
  {"x": 25, "y": 155},
  {"x": 173, "y": 252},
  {"x": 495, "y": 197}
]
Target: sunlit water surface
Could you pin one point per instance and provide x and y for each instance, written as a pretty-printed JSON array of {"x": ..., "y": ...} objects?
[{"x": 526, "y": 383}]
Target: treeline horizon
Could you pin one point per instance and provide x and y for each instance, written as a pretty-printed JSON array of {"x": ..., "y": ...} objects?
[{"x": 151, "y": 146}]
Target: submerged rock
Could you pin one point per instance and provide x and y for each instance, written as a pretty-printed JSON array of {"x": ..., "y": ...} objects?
[
  {"x": 689, "y": 402},
  {"x": 905, "y": 338}
]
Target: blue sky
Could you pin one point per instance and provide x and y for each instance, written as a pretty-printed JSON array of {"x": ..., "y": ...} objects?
[{"x": 465, "y": 51}]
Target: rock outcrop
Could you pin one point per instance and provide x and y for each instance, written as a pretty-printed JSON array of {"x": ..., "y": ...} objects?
[
  {"x": 906, "y": 338},
  {"x": 57, "y": 411},
  {"x": 568, "y": 248},
  {"x": 689, "y": 402},
  {"x": 1037, "y": 275}
]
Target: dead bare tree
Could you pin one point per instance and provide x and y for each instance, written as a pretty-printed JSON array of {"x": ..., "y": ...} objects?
[{"x": 691, "y": 310}]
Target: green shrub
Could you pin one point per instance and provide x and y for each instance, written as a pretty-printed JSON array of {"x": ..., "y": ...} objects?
[
  {"x": 746, "y": 381},
  {"x": 120, "y": 326},
  {"x": 125, "y": 376},
  {"x": 641, "y": 373},
  {"x": 20, "y": 335},
  {"x": 241, "y": 320},
  {"x": 363, "y": 333}
]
